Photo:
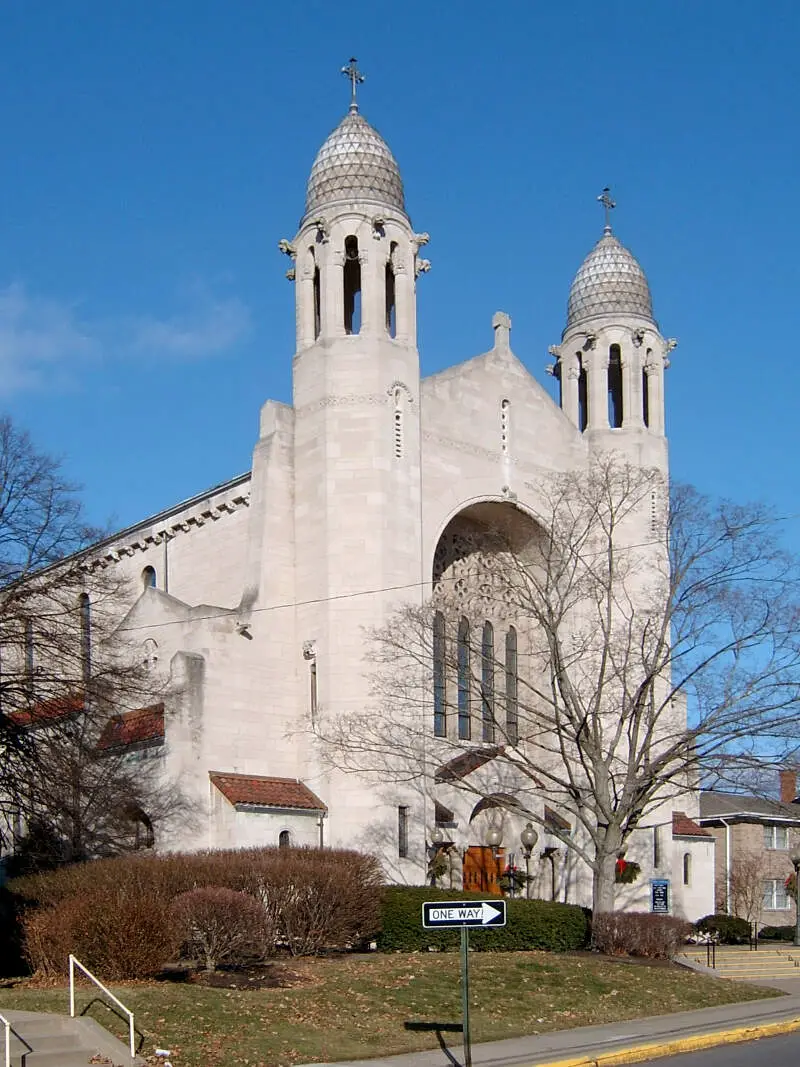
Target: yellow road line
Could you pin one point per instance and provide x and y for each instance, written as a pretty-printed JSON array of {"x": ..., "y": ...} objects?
[{"x": 656, "y": 1049}]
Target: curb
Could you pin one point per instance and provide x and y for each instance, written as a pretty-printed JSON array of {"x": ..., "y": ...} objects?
[{"x": 656, "y": 1049}]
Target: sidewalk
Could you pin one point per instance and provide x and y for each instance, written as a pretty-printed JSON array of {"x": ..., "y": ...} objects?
[{"x": 616, "y": 1042}]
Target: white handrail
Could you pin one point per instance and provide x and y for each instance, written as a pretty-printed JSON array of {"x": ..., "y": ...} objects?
[
  {"x": 73, "y": 963},
  {"x": 9, "y": 1030}
]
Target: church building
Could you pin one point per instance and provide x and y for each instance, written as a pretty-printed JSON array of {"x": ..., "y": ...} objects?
[{"x": 253, "y": 599}]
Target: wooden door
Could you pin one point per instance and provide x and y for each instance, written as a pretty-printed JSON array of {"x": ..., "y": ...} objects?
[{"x": 482, "y": 869}]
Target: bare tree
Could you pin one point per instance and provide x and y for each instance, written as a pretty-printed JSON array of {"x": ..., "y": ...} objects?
[
  {"x": 65, "y": 675},
  {"x": 650, "y": 638},
  {"x": 746, "y": 882}
]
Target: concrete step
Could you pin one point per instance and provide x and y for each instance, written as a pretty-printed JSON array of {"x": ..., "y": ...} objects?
[{"x": 59, "y": 1041}]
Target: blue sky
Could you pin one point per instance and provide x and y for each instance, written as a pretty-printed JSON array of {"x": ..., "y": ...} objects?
[{"x": 156, "y": 152}]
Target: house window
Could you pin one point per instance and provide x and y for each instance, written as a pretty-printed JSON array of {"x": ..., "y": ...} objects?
[
  {"x": 656, "y": 847},
  {"x": 775, "y": 896},
  {"x": 149, "y": 578},
  {"x": 391, "y": 305},
  {"x": 284, "y": 839},
  {"x": 776, "y": 837},
  {"x": 439, "y": 676},
  {"x": 402, "y": 831},
  {"x": 687, "y": 868},
  {"x": 29, "y": 655},
  {"x": 313, "y": 695}
]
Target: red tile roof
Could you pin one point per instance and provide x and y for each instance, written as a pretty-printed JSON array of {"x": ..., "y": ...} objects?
[
  {"x": 266, "y": 792},
  {"x": 683, "y": 826},
  {"x": 51, "y": 710},
  {"x": 133, "y": 728}
]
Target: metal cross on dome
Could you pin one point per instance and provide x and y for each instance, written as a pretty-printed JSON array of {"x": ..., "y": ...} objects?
[
  {"x": 352, "y": 72},
  {"x": 608, "y": 206}
]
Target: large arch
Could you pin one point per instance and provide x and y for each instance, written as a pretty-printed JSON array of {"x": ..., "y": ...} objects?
[{"x": 484, "y": 636}]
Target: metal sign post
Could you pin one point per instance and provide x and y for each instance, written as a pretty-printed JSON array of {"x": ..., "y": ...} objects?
[
  {"x": 465, "y": 996},
  {"x": 446, "y": 914}
]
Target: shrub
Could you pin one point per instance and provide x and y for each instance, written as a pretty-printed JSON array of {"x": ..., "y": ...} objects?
[
  {"x": 531, "y": 924},
  {"x": 222, "y": 926},
  {"x": 776, "y": 933},
  {"x": 315, "y": 899},
  {"x": 729, "y": 929},
  {"x": 638, "y": 933},
  {"x": 132, "y": 938}
]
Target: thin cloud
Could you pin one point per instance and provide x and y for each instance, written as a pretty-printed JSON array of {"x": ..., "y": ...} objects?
[
  {"x": 207, "y": 329},
  {"x": 45, "y": 343},
  {"x": 41, "y": 340}
]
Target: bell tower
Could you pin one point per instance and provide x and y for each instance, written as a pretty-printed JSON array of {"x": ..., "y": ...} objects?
[
  {"x": 612, "y": 356},
  {"x": 356, "y": 400}
]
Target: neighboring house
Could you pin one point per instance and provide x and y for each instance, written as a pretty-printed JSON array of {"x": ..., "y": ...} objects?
[
  {"x": 251, "y": 601},
  {"x": 755, "y": 837}
]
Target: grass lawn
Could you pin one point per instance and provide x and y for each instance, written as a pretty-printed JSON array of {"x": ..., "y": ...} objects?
[{"x": 355, "y": 1006}]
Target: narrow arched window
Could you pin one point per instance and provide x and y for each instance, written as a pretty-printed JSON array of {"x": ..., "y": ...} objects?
[
  {"x": 29, "y": 657},
  {"x": 85, "y": 609},
  {"x": 583, "y": 395},
  {"x": 615, "y": 387},
  {"x": 313, "y": 690},
  {"x": 645, "y": 397},
  {"x": 317, "y": 294},
  {"x": 463, "y": 667},
  {"x": 439, "y": 677},
  {"x": 149, "y": 578},
  {"x": 505, "y": 425},
  {"x": 284, "y": 839},
  {"x": 391, "y": 293},
  {"x": 352, "y": 286},
  {"x": 487, "y": 681},
  {"x": 687, "y": 868},
  {"x": 512, "y": 688}
]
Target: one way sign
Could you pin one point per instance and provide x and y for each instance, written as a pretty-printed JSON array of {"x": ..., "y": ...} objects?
[{"x": 437, "y": 914}]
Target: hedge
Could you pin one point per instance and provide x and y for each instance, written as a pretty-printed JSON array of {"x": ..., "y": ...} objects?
[
  {"x": 115, "y": 914},
  {"x": 531, "y": 924},
  {"x": 729, "y": 929},
  {"x": 776, "y": 933}
]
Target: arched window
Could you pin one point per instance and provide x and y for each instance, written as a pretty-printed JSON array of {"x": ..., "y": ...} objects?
[
  {"x": 85, "y": 609},
  {"x": 391, "y": 298},
  {"x": 512, "y": 688},
  {"x": 149, "y": 578},
  {"x": 464, "y": 726},
  {"x": 284, "y": 839},
  {"x": 317, "y": 293},
  {"x": 487, "y": 681},
  {"x": 614, "y": 387},
  {"x": 144, "y": 834},
  {"x": 150, "y": 654},
  {"x": 583, "y": 395},
  {"x": 313, "y": 689},
  {"x": 687, "y": 868},
  {"x": 352, "y": 286},
  {"x": 505, "y": 425},
  {"x": 439, "y": 677}
]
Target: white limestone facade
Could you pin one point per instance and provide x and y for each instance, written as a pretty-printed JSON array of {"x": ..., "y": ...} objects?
[{"x": 253, "y": 601}]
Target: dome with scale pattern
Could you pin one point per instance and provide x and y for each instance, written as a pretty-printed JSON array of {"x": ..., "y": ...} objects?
[
  {"x": 354, "y": 163},
  {"x": 609, "y": 281}
]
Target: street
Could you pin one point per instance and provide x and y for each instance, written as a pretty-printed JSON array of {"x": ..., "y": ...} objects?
[{"x": 779, "y": 1051}]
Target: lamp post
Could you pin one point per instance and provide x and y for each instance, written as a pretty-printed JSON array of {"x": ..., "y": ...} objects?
[
  {"x": 437, "y": 842},
  {"x": 795, "y": 858},
  {"x": 493, "y": 840},
  {"x": 528, "y": 839}
]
